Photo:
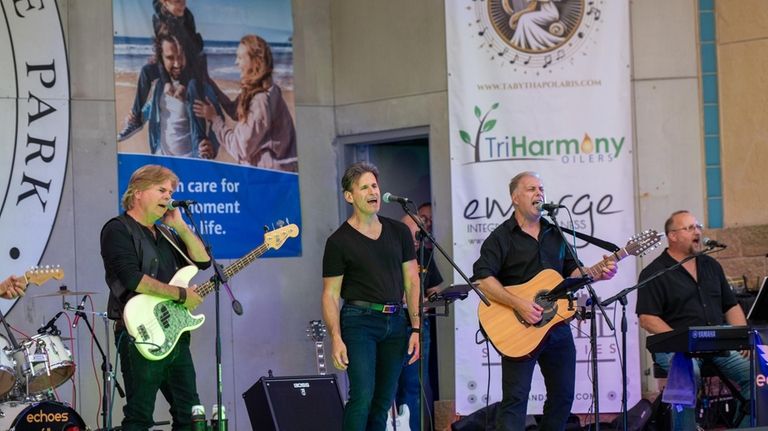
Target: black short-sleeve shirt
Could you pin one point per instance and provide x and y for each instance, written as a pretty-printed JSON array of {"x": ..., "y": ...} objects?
[
  {"x": 514, "y": 257},
  {"x": 372, "y": 269},
  {"x": 679, "y": 300}
]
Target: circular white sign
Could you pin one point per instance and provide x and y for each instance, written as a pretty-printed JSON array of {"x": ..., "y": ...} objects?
[{"x": 34, "y": 131}]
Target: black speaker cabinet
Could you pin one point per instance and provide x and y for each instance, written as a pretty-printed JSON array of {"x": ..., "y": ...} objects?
[{"x": 296, "y": 403}]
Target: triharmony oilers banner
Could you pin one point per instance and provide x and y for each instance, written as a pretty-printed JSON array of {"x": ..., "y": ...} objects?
[
  {"x": 206, "y": 89},
  {"x": 542, "y": 86}
]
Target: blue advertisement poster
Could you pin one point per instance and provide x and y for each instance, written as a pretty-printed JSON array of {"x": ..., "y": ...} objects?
[{"x": 206, "y": 89}]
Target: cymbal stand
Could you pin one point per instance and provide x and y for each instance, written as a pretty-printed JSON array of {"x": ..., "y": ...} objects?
[
  {"x": 11, "y": 338},
  {"x": 107, "y": 374}
]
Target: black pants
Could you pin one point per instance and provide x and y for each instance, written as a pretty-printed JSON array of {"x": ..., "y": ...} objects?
[
  {"x": 557, "y": 361},
  {"x": 173, "y": 375}
]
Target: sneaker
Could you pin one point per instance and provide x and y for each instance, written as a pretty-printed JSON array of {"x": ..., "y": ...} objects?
[{"x": 132, "y": 127}]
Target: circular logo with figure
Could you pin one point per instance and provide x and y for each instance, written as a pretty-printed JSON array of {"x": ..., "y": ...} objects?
[
  {"x": 34, "y": 131},
  {"x": 536, "y": 34}
]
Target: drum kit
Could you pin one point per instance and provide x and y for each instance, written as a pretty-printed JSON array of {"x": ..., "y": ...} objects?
[{"x": 30, "y": 370}]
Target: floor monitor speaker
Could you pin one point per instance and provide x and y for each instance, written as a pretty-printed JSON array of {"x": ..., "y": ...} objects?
[{"x": 295, "y": 403}]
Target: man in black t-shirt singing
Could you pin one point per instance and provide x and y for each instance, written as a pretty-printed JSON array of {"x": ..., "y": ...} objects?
[
  {"x": 369, "y": 262},
  {"x": 695, "y": 294}
]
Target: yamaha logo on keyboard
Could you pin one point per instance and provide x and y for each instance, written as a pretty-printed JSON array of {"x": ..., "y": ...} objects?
[{"x": 703, "y": 334}]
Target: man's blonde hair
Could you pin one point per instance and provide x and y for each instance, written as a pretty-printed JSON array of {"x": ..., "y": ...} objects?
[{"x": 144, "y": 178}]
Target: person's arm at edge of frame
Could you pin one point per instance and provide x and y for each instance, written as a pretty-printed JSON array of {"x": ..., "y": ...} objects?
[
  {"x": 331, "y": 314},
  {"x": 411, "y": 284}
]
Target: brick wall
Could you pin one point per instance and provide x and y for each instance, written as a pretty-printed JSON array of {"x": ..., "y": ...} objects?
[{"x": 746, "y": 252}]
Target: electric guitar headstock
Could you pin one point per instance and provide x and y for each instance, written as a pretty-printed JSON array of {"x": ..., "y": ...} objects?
[
  {"x": 40, "y": 274},
  {"x": 275, "y": 238},
  {"x": 317, "y": 331}
]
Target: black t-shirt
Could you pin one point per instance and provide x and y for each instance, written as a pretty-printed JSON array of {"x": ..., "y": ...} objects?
[
  {"x": 372, "y": 269},
  {"x": 677, "y": 299},
  {"x": 514, "y": 257}
]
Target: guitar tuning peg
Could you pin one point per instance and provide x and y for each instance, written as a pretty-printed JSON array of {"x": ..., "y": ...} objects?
[
  {"x": 266, "y": 228},
  {"x": 280, "y": 223}
]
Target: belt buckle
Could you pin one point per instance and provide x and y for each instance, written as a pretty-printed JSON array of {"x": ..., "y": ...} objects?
[{"x": 389, "y": 309}]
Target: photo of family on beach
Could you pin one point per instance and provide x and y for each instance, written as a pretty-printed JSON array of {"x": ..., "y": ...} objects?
[
  {"x": 206, "y": 88},
  {"x": 217, "y": 88}
]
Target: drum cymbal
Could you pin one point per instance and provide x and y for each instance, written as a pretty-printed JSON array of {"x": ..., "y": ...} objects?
[{"x": 66, "y": 292}]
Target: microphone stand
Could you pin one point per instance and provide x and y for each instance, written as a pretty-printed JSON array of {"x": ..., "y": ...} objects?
[
  {"x": 422, "y": 316},
  {"x": 425, "y": 234},
  {"x": 622, "y": 298},
  {"x": 592, "y": 317},
  {"x": 431, "y": 238},
  {"x": 219, "y": 278},
  {"x": 106, "y": 367}
]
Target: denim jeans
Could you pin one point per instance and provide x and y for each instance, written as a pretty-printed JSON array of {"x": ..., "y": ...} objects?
[
  {"x": 376, "y": 345},
  {"x": 408, "y": 386},
  {"x": 557, "y": 360},
  {"x": 173, "y": 375},
  {"x": 733, "y": 366}
]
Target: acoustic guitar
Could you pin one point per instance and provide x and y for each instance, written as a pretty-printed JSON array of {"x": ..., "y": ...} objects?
[{"x": 515, "y": 338}]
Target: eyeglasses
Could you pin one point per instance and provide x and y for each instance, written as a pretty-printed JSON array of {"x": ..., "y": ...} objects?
[{"x": 690, "y": 228}]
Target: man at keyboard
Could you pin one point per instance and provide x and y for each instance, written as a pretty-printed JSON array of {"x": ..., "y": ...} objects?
[{"x": 694, "y": 294}]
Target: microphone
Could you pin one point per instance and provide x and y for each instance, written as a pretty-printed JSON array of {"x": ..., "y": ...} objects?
[
  {"x": 542, "y": 206},
  {"x": 389, "y": 198},
  {"x": 172, "y": 205},
  {"x": 712, "y": 243},
  {"x": 80, "y": 307},
  {"x": 50, "y": 323}
]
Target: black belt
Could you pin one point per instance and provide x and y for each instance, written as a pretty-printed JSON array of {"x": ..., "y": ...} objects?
[{"x": 383, "y": 308}]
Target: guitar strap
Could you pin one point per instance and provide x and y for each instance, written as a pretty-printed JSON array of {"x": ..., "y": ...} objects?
[
  {"x": 147, "y": 255},
  {"x": 605, "y": 245},
  {"x": 165, "y": 231}
]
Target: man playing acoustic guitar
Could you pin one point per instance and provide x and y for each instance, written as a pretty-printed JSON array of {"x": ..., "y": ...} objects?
[{"x": 514, "y": 253}]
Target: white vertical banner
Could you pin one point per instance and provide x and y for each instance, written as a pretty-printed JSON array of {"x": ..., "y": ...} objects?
[{"x": 543, "y": 86}]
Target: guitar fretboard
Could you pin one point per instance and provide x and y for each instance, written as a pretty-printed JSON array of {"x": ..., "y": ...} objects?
[
  {"x": 233, "y": 269},
  {"x": 320, "y": 352},
  {"x": 596, "y": 270}
]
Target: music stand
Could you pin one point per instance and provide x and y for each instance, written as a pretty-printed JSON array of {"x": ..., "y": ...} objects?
[
  {"x": 758, "y": 313},
  {"x": 446, "y": 297}
]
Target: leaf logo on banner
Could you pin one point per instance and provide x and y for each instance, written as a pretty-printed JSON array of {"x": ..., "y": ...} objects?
[{"x": 486, "y": 125}]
